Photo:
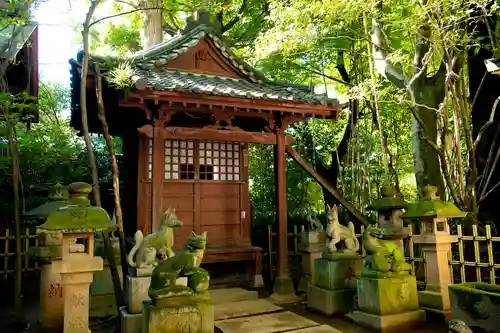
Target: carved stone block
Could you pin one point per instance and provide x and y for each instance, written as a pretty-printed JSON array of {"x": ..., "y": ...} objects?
[
  {"x": 181, "y": 314},
  {"x": 387, "y": 296},
  {"x": 137, "y": 292},
  {"x": 337, "y": 274},
  {"x": 130, "y": 323},
  {"x": 386, "y": 304},
  {"x": 330, "y": 302}
]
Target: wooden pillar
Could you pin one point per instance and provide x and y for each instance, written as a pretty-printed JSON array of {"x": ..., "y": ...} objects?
[
  {"x": 283, "y": 290},
  {"x": 157, "y": 176}
]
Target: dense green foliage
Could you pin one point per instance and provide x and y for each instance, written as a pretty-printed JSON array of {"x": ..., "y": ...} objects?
[
  {"x": 329, "y": 46},
  {"x": 49, "y": 153}
]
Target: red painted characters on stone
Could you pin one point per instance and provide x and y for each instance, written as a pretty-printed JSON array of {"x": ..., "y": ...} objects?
[{"x": 55, "y": 290}]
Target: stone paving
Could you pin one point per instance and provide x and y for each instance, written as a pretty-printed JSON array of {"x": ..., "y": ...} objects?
[
  {"x": 241, "y": 311},
  {"x": 249, "y": 305}
]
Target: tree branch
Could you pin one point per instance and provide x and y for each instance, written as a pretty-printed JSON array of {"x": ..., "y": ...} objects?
[
  {"x": 487, "y": 124},
  {"x": 130, "y": 12},
  {"x": 442, "y": 158},
  {"x": 347, "y": 83},
  {"x": 235, "y": 19},
  {"x": 383, "y": 65}
]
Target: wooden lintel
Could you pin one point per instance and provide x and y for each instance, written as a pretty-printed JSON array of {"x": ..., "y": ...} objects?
[
  {"x": 206, "y": 110},
  {"x": 185, "y": 133},
  {"x": 288, "y": 107}
]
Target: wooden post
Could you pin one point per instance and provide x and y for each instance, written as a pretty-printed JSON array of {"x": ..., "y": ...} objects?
[
  {"x": 157, "y": 176},
  {"x": 283, "y": 290}
]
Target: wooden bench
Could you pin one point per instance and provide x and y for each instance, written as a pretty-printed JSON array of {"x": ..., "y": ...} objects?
[{"x": 251, "y": 255}]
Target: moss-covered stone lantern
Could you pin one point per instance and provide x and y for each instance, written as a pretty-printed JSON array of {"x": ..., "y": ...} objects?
[
  {"x": 76, "y": 223},
  {"x": 389, "y": 210},
  {"x": 47, "y": 250},
  {"x": 58, "y": 196},
  {"x": 435, "y": 240}
]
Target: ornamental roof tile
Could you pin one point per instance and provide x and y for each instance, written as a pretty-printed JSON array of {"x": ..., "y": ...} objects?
[{"x": 252, "y": 85}]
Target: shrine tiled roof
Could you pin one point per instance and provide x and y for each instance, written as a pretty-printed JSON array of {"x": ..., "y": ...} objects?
[
  {"x": 152, "y": 66},
  {"x": 215, "y": 85}
]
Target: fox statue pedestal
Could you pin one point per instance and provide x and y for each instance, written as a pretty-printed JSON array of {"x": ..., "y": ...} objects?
[
  {"x": 148, "y": 252},
  {"x": 175, "y": 308},
  {"x": 335, "y": 284},
  {"x": 312, "y": 243},
  {"x": 387, "y": 293},
  {"x": 180, "y": 314},
  {"x": 335, "y": 272}
]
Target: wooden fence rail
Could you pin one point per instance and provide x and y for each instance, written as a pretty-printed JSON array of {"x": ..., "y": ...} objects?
[
  {"x": 471, "y": 259},
  {"x": 475, "y": 257},
  {"x": 28, "y": 239}
]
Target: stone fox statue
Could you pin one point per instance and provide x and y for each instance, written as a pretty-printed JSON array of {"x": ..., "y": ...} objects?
[
  {"x": 384, "y": 255},
  {"x": 185, "y": 264},
  {"x": 337, "y": 232},
  {"x": 160, "y": 242},
  {"x": 314, "y": 223}
]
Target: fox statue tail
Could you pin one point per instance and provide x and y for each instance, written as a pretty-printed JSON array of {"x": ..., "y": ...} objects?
[
  {"x": 138, "y": 237},
  {"x": 350, "y": 225}
]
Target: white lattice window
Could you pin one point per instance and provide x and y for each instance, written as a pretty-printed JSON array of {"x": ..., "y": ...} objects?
[
  {"x": 179, "y": 159},
  {"x": 150, "y": 158},
  {"x": 219, "y": 160}
]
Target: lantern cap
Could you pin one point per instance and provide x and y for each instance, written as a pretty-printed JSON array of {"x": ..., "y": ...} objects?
[
  {"x": 432, "y": 206},
  {"x": 58, "y": 195},
  {"x": 77, "y": 215},
  {"x": 388, "y": 201}
]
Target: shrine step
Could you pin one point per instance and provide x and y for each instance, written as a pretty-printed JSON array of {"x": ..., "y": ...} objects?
[
  {"x": 226, "y": 295},
  {"x": 231, "y": 310},
  {"x": 267, "y": 323},
  {"x": 316, "y": 329}
]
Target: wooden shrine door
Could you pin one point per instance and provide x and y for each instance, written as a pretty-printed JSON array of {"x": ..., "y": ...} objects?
[{"x": 207, "y": 183}]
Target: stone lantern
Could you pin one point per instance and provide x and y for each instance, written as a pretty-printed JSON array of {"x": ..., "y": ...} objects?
[
  {"x": 58, "y": 196},
  {"x": 75, "y": 224},
  {"x": 435, "y": 240},
  {"x": 48, "y": 250},
  {"x": 389, "y": 209}
]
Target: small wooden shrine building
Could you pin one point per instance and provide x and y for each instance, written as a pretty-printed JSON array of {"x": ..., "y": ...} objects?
[{"x": 186, "y": 122}]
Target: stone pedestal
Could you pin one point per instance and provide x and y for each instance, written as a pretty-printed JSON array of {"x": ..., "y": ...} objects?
[
  {"x": 179, "y": 314},
  {"x": 137, "y": 293},
  {"x": 385, "y": 304},
  {"x": 436, "y": 249},
  {"x": 130, "y": 322},
  {"x": 51, "y": 300},
  {"x": 283, "y": 291},
  {"x": 312, "y": 243},
  {"x": 102, "y": 292},
  {"x": 76, "y": 277},
  {"x": 335, "y": 284}
]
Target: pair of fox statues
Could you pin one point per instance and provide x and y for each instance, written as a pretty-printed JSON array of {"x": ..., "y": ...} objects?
[
  {"x": 155, "y": 252},
  {"x": 384, "y": 256}
]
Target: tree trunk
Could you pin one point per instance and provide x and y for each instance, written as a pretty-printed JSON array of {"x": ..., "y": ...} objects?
[
  {"x": 116, "y": 177},
  {"x": 425, "y": 159},
  {"x": 85, "y": 127},
  {"x": 426, "y": 95},
  {"x": 83, "y": 106},
  {"x": 17, "y": 219},
  {"x": 153, "y": 23}
]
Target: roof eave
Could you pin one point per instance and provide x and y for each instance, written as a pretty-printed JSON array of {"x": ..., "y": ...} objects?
[{"x": 294, "y": 107}]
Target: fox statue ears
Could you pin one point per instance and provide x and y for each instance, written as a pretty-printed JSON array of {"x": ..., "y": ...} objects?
[
  {"x": 334, "y": 209},
  {"x": 204, "y": 234},
  {"x": 170, "y": 211}
]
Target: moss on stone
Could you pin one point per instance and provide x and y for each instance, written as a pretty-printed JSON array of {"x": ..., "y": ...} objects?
[
  {"x": 388, "y": 201},
  {"x": 477, "y": 288},
  {"x": 431, "y": 206},
  {"x": 77, "y": 215}
]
